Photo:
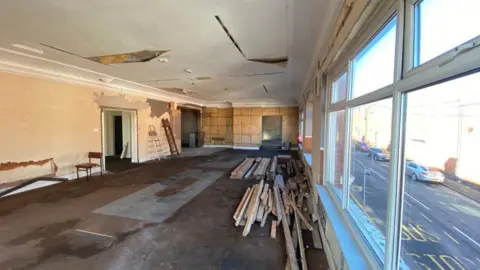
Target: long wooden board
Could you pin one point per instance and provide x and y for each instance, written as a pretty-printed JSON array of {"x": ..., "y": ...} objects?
[
  {"x": 244, "y": 207},
  {"x": 242, "y": 202},
  {"x": 252, "y": 209},
  {"x": 292, "y": 258}
]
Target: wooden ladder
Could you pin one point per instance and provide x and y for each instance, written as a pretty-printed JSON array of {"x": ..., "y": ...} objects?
[
  {"x": 153, "y": 137},
  {"x": 170, "y": 137}
]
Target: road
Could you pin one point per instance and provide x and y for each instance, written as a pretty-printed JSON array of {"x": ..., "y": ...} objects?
[{"x": 441, "y": 228}]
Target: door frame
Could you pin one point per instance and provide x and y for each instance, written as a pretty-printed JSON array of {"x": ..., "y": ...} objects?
[{"x": 134, "y": 132}]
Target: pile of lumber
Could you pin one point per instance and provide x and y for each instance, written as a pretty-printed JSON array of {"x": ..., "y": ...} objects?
[
  {"x": 242, "y": 169},
  {"x": 252, "y": 168},
  {"x": 288, "y": 204}
]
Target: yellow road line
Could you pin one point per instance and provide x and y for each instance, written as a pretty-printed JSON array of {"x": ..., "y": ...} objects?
[
  {"x": 366, "y": 213},
  {"x": 94, "y": 233},
  {"x": 451, "y": 237}
]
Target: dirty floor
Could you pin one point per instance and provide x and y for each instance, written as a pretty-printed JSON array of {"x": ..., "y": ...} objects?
[{"x": 169, "y": 214}]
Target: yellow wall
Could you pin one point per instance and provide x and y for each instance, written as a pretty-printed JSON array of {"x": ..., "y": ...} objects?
[
  {"x": 247, "y": 124},
  {"x": 217, "y": 126},
  {"x": 48, "y": 126}
]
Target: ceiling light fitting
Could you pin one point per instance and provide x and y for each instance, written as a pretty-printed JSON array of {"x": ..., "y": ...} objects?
[{"x": 188, "y": 70}]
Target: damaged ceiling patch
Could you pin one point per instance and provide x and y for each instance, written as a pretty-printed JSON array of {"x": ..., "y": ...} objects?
[
  {"x": 125, "y": 58},
  {"x": 180, "y": 91},
  {"x": 202, "y": 78},
  {"x": 279, "y": 61}
]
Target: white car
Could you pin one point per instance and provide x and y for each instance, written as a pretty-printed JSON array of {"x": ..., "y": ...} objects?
[{"x": 422, "y": 173}]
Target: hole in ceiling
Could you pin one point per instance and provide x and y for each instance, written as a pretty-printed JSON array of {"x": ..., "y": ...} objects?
[
  {"x": 265, "y": 88},
  {"x": 279, "y": 61},
  {"x": 202, "y": 78},
  {"x": 134, "y": 57},
  {"x": 256, "y": 74},
  {"x": 125, "y": 58},
  {"x": 229, "y": 35},
  {"x": 180, "y": 91}
]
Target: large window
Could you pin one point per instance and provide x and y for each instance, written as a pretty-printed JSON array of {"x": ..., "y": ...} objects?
[
  {"x": 336, "y": 146},
  {"x": 407, "y": 154},
  {"x": 339, "y": 88},
  {"x": 374, "y": 66},
  {"x": 440, "y": 27},
  {"x": 440, "y": 222}
]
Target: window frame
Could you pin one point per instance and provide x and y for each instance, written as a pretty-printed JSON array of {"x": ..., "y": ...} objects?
[
  {"x": 452, "y": 64},
  {"x": 339, "y": 74}
]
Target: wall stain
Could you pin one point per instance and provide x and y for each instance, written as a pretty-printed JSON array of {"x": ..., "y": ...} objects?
[
  {"x": 118, "y": 101},
  {"x": 14, "y": 165},
  {"x": 158, "y": 108}
]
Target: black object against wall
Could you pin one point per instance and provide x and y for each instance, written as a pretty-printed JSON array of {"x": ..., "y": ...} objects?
[{"x": 118, "y": 135}]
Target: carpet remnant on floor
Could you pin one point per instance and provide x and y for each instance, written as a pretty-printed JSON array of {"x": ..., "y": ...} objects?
[{"x": 159, "y": 201}]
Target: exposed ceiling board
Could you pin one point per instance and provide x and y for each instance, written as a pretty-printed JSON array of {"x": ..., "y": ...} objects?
[
  {"x": 187, "y": 27},
  {"x": 125, "y": 58},
  {"x": 280, "y": 61}
]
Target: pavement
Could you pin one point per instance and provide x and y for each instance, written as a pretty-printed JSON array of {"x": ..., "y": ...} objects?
[{"x": 440, "y": 225}]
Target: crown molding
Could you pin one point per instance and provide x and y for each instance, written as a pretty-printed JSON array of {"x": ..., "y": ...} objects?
[{"x": 89, "y": 78}]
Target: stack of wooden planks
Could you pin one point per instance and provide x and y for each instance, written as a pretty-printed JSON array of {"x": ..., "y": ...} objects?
[
  {"x": 242, "y": 169},
  {"x": 252, "y": 168},
  {"x": 288, "y": 203}
]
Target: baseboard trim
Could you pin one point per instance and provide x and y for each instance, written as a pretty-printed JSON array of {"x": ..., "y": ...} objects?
[
  {"x": 246, "y": 147},
  {"x": 218, "y": 146}
]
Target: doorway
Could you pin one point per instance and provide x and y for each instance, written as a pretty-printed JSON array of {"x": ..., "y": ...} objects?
[
  {"x": 272, "y": 131},
  {"x": 190, "y": 128},
  {"x": 119, "y": 139}
]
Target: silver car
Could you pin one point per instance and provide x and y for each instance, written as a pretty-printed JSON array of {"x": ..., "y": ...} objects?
[{"x": 423, "y": 173}]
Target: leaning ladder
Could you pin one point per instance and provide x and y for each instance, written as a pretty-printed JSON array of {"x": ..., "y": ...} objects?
[
  {"x": 152, "y": 133},
  {"x": 170, "y": 137}
]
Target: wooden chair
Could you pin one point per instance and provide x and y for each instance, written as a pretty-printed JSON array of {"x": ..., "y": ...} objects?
[{"x": 87, "y": 167}]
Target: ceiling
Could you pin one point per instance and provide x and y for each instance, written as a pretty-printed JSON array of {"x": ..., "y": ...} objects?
[{"x": 201, "y": 64}]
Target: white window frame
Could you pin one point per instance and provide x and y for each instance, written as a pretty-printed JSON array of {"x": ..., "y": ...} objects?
[{"x": 451, "y": 64}]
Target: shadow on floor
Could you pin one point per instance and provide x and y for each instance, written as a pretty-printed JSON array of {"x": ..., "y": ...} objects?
[{"x": 116, "y": 164}]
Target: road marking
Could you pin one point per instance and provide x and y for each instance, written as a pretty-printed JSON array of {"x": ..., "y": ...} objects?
[
  {"x": 478, "y": 259},
  {"x": 381, "y": 176},
  {"x": 94, "y": 233},
  {"x": 426, "y": 217},
  {"x": 442, "y": 203},
  {"x": 451, "y": 237},
  {"x": 466, "y": 236},
  {"x": 426, "y": 207},
  {"x": 361, "y": 163},
  {"x": 407, "y": 203}
]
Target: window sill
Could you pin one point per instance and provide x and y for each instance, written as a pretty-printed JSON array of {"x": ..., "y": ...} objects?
[
  {"x": 351, "y": 254},
  {"x": 308, "y": 158}
]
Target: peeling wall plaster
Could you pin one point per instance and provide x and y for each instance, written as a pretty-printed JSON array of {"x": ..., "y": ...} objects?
[
  {"x": 43, "y": 118},
  {"x": 158, "y": 108}
]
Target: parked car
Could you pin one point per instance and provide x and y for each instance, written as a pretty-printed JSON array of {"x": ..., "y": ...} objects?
[
  {"x": 378, "y": 154},
  {"x": 362, "y": 146},
  {"x": 423, "y": 173}
]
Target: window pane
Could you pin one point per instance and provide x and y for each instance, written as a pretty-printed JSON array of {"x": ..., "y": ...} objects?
[
  {"x": 369, "y": 170},
  {"x": 444, "y": 24},
  {"x": 336, "y": 145},
  {"x": 441, "y": 217},
  {"x": 374, "y": 67},
  {"x": 339, "y": 88}
]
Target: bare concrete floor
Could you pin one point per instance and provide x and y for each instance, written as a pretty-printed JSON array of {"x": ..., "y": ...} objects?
[{"x": 171, "y": 214}]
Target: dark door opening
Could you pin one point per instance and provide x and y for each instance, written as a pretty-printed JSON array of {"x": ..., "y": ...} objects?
[
  {"x": 272, "y": 131},
  {"x": 190, "y": 125},
  {"x": 118, "y": 135}
]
